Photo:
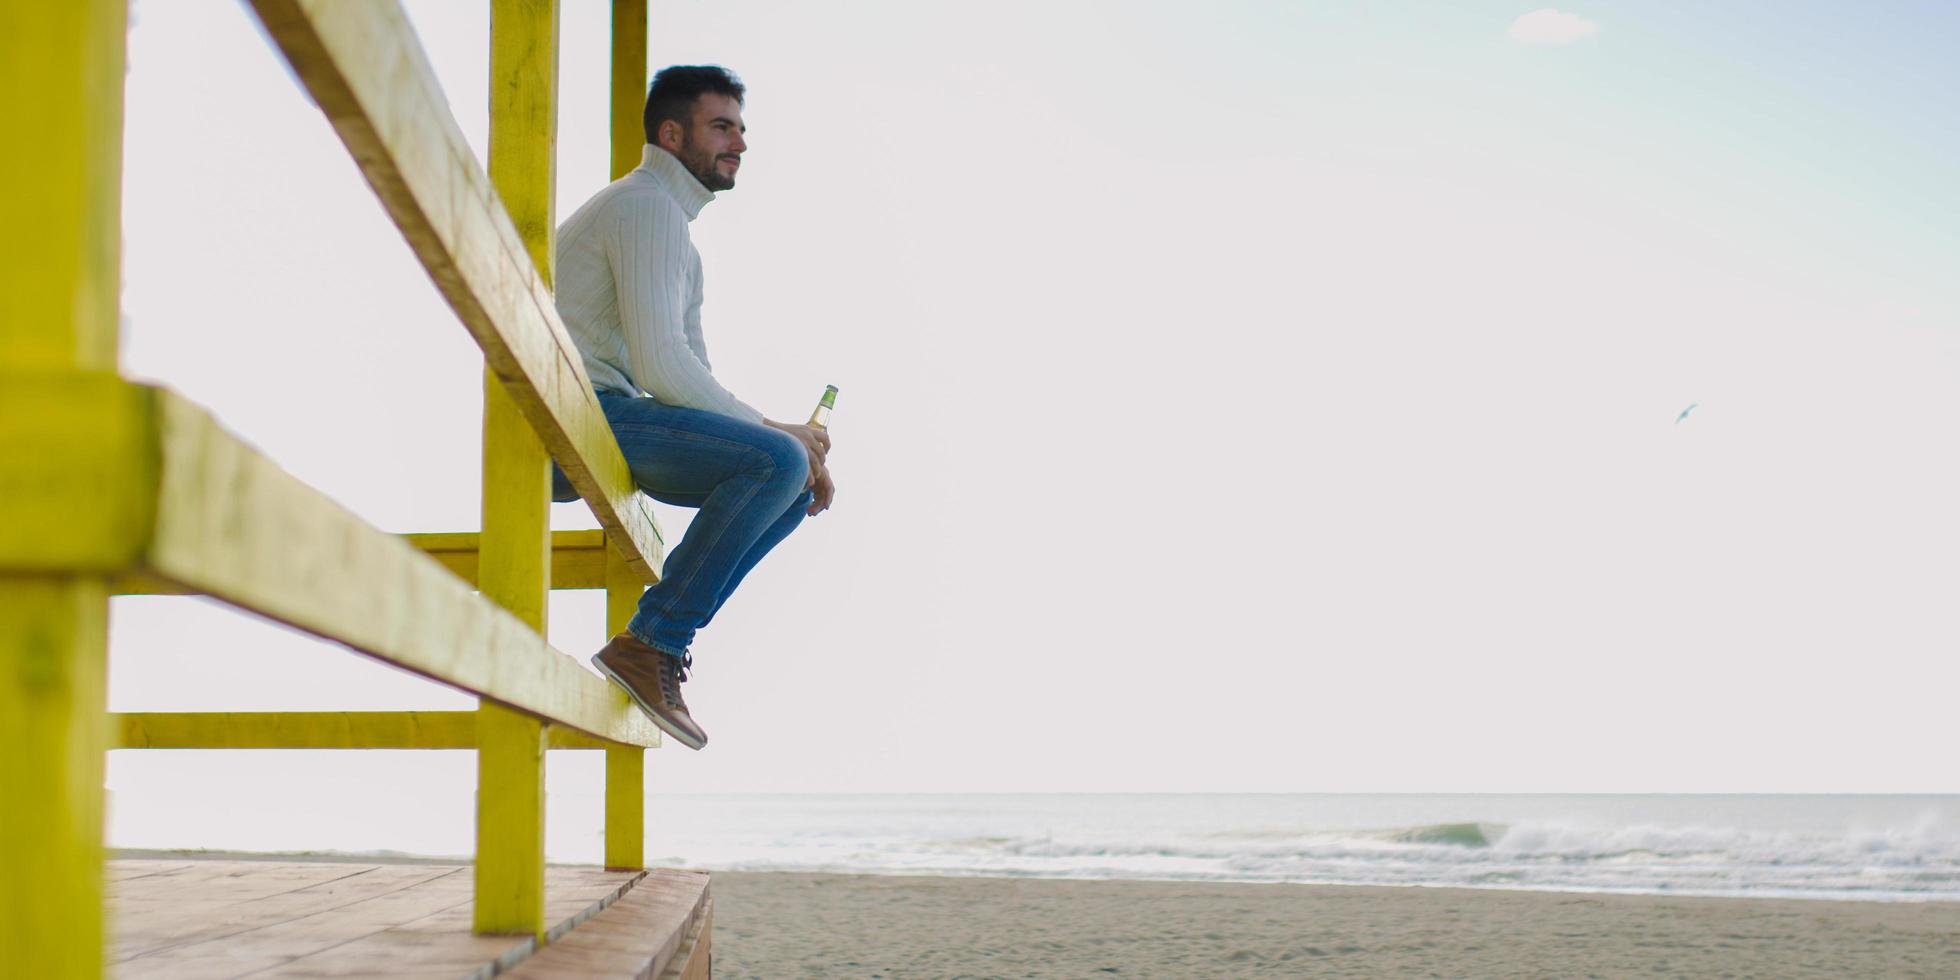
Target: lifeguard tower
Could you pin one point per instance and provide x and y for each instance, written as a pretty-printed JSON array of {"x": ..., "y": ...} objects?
[{"x": 109, "y": 487}]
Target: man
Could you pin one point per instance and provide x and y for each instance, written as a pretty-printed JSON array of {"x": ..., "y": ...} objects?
[{"x": 629, "y": 290}]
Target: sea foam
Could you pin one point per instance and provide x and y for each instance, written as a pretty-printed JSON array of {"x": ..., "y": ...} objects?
[{"x": 1637, "y": 845}]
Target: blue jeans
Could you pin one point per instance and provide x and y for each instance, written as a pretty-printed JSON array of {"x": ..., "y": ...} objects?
[{"x": 748, "y": 482}]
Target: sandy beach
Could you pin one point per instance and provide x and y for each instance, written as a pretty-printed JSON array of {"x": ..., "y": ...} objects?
[{"x": 817, "y": 925}]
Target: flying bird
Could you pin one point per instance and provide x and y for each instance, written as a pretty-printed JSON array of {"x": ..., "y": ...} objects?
[{"x": 1684, "y": 413}]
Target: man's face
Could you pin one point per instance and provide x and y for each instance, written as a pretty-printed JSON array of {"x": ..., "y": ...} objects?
[{"x": 711, "y": 148}]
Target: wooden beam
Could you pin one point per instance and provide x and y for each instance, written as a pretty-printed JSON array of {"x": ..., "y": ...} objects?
[
  {"x": 516, "y": 545},
  {"x": 61, "y": 184},
  {"x": 629, "y": 84},
  {"x": 313, "y": 730},
  {"x": 362, "y": 64},
  {"x": 294, "y": 730},
  {"x": 514, "y": 565},
  {"x": 626, "y": 807},
  {"x": 509, "y": 884},
  {"x": 78, "y": 468},
  {"x": 231, "y": 524},
  {"x": 623, "y": 592},
  {"x": 578, "y": 561},
  {"x": 578, "y": 558},
  {"x": 626, "y": 780},
  {"x": 61, "y": 66},
  {"x": 53, "y": 643}
]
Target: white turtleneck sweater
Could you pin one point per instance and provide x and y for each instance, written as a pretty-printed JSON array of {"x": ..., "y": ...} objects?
[{"x": 629, "y": 288}]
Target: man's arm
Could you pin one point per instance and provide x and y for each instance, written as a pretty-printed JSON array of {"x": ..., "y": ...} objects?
[{"x": 647, "y": 247}]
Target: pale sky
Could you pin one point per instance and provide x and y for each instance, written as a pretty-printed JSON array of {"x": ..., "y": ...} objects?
[{"x": 1235, "y": 397}]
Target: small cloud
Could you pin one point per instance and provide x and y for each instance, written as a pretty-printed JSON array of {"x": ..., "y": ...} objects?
[{"x": 1550, "y": 26}]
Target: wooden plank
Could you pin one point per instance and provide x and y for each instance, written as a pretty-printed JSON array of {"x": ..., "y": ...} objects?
[
  {"x": 695, "y": 960},
  {"x": 653, "y": 930},
  {"x": 362, "y": 64},
  {"x": 213, "y": 918},
  {"x": 266, "y": 908},
  {"x": 629, "y": 84},
  {"x": 314, "y": 730},
  {"x": 232, "y": 525}
]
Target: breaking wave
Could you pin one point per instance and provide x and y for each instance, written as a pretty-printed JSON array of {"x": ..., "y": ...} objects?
[{"x": 1896, "y": 864}]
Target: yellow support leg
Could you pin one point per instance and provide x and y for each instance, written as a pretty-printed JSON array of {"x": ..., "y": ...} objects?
[
  {"x": 60, "y": 197},
  {"x": 625, "y": 764},
  {"x": 61, "y": 65},
  {"x": 623, "y": 589},
  {"x": 514, "y": 560},
  {"x": 625, "y": 807},
  {"x": 629, "y": 84},
  {"x": 53, "y": 733},
  {"x": 510, "y": 744},
  {"x": 509, "y": 822}
]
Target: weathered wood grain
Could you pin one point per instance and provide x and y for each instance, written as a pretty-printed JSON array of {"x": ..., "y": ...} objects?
[
  {"x": 654, "y": 930},
  {"x": 227, "y": 918},
  {"x": 232, "y": 525}
]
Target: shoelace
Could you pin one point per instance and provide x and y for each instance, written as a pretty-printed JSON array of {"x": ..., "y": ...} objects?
[{"x": 670, "y": 680}]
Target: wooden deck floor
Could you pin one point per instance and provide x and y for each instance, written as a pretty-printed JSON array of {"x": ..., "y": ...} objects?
[{"x": 202, "y": 917}]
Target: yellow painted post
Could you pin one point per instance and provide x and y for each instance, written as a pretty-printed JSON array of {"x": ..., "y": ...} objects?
[
  {"x": 53, "y": 635},
  {"x": 61, "y": 197},
  {"x": 625, "y": 764},
  {"x": 625, "y": 807},
  {"x": 629, "y": 84},
  {"x": 623, "y": 590},
  {"x": 515, "y": 553}
]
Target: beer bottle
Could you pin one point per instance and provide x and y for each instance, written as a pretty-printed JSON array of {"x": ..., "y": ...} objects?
[{"x": 820, "y": 419}]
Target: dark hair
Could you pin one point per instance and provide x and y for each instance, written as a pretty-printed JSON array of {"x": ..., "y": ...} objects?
[{"x": 676, "y": 89}]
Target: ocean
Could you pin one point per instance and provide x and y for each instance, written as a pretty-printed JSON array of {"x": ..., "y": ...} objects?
[
  {"x": 1868, "y": 848},
  {"x": 1873, "y": 848}
]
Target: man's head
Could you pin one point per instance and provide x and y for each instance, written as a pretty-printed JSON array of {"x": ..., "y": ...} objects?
[{"x": 695, "y": 113}]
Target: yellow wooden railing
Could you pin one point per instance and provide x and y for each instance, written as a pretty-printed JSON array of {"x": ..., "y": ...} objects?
[{"x": 109, "y": 487}]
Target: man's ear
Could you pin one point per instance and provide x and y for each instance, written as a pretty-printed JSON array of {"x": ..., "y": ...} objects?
[{"x": 671, "y": 135}]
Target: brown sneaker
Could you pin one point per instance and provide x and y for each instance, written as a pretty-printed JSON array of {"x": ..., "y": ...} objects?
[{"x": 654, "y": 680}]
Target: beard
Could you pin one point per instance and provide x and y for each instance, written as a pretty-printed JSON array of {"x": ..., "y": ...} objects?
[{"x": 701, "y": 164}]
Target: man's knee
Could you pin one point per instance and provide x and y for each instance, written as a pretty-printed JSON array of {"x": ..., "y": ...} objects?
[{"x": 787, "y": 458}]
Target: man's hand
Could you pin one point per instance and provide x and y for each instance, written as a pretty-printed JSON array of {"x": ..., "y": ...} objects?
[
  {"x": 815, "y": 441},
  {"x": 825, "y": 490}
]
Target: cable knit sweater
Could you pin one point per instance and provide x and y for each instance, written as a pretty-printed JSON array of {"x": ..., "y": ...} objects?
[{"x": 629, "y": 288}]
